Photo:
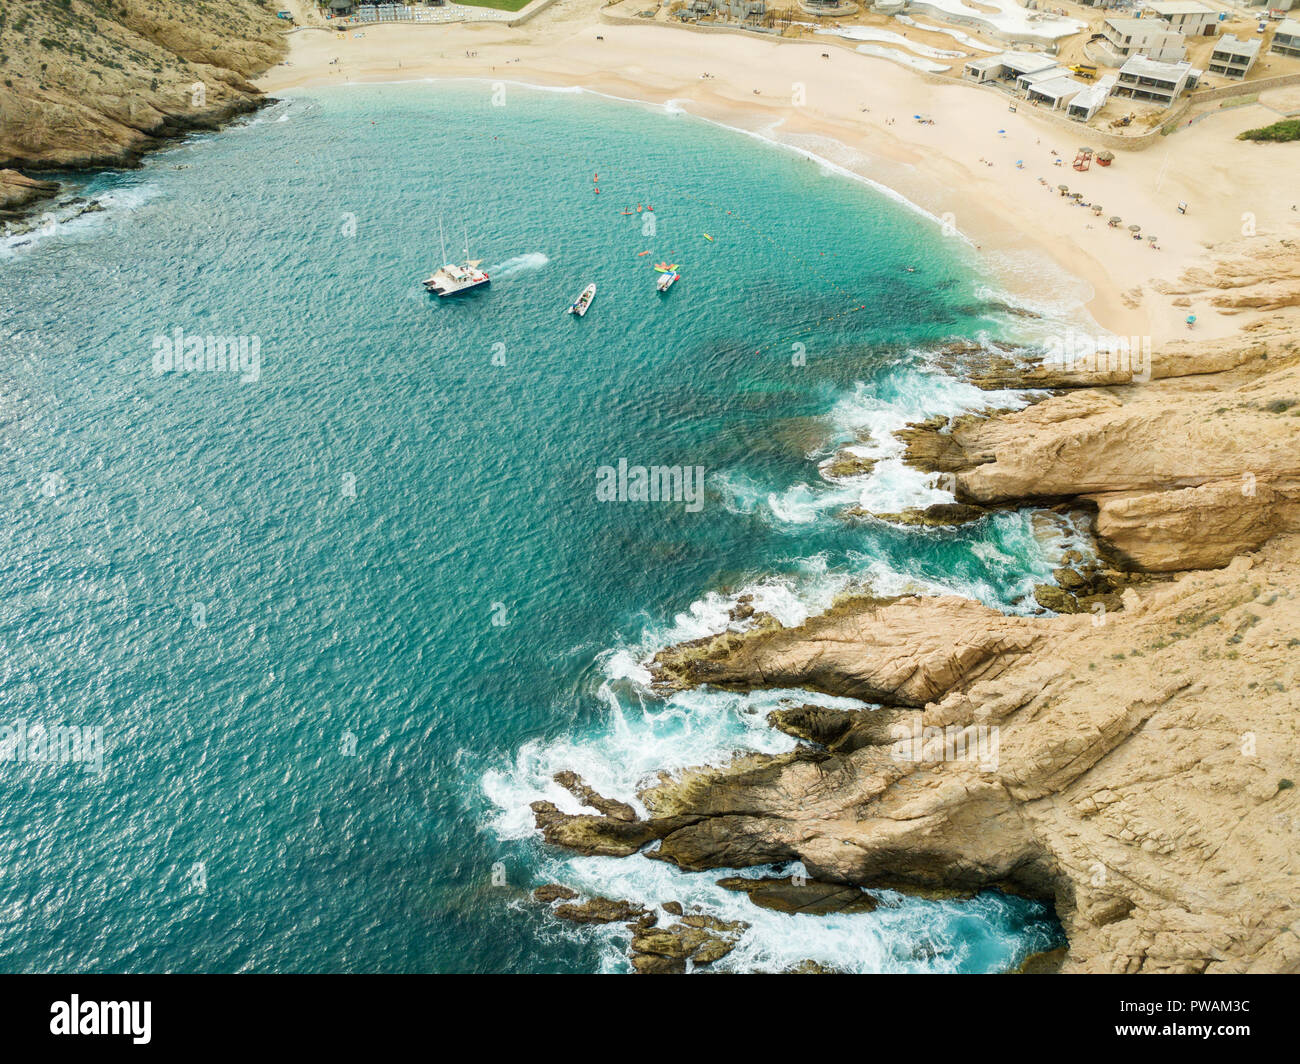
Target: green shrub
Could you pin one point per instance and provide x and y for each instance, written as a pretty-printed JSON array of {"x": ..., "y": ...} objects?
[{"x": 1287, "y": 129}]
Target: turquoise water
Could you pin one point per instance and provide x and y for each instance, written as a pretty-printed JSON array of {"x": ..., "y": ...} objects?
[{"x": 339, "y": 623}]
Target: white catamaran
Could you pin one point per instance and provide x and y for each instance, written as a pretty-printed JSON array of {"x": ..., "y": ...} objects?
[
  {"x": 454, "y": 278},
  {"x": 579, "y": 306}
]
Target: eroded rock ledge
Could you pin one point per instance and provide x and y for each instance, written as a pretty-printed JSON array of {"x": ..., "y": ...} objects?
[
  {"x": 1185, "y": 471},
  {"x": 1141, "y": 778},
  {"x": 1135, "y": 768}
]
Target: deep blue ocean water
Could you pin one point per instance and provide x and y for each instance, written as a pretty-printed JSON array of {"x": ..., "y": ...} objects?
[{"x": 339, "y": 624}]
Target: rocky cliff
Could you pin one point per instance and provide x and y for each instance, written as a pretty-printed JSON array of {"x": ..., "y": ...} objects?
[
  {"x": 91, "y": 83},
  {"x": 1135, "y": 766}
]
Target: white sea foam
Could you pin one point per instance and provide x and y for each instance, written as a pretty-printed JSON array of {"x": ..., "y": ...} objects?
[
  {"x": 520, "y": 264},
  {"x": 903, "y": 935},
  {"x": 61, "y": 220},
  {"x": 634, "y": 740}
]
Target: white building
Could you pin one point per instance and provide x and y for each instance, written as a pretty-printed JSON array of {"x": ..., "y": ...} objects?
[
  {"x": 1286, "y": 38},
  {"x": 1091, "y": 100},
  {"x": 1191, "y": 18},
  {"x": 1056, "y": 91},
  {"x": 1143, "y": 78},
  {"x": 1233, "y": 58},
  {"x": 1151, "y": 37},
  {"x": 1009, "y": 66}
]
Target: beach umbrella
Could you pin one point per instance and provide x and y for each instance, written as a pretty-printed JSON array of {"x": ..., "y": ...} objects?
[
  {"x": 1191, "y": 319},
  {"x": 1096, "y": 208},
  {"x": 1105, "y": 156},
  {"x": 1115, "y": 219},
  {"x": 1151, "y": 238},
  {"x": 1134, "y": 228}
]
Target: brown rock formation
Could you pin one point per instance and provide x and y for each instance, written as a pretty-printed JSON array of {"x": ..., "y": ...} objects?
[
  {"x": 811, "y": 897},
  {"x": 862, "y": 648},
  {"x": 1139, "y": 778},
  {"x": 1186, "y": 470},
  {"x": 92, "y": 83},
  {"x": 17, "y": 191}
]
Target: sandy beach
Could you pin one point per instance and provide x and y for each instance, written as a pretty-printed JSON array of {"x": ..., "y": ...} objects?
[{"x": 858, "y": 110}]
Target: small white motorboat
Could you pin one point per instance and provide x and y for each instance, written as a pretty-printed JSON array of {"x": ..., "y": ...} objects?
[{"x": 579, "y": 306}]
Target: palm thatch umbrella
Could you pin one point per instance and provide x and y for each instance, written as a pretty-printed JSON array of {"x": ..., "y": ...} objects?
[
  {"x": 1105, "y": 157},
  {"x": 1063, "y": 189}
]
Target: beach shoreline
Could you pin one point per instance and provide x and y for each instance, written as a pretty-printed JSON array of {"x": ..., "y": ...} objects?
[{"x": 958, "y": 165}]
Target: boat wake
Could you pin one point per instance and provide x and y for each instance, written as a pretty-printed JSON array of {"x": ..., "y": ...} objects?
[{"x": 520, "y": 264}]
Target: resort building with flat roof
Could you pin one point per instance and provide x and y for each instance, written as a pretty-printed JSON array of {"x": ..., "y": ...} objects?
[
  {"x": 1144, "y": 78},
  {"x": 1008, "y": 66},
  {"x": 1091, "y": 100},
  {"x": 1152, "y": 37},
  {"x": 1191, "y": 18},
  {"x": 1233, "y": 58},
  {"x": 1286, "y": 38}
]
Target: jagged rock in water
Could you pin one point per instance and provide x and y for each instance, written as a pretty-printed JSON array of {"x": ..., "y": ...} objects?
[
  {"x": 600, "y": 910},
  {"x": 937, "y": 515},
  {"x": 577, "y": 786},
  {"x": 701, "y": 939},
  {"x": 550, "y": 892},
  {"x": 811, "y": 896}
]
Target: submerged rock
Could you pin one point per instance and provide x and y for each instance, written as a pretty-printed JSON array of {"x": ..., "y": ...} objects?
[
  {"x": 937, "y": 515},
  {"x": 1048, "y": 962}
]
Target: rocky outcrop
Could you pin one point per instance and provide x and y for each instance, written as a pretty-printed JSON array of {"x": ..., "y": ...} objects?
[
  {"x": 1133, "y": 766},
  {"x": 862, "y": 648},
  {"x": 1135, "y": 772},
  {"x": 808, "y": 896},
  {"x": 577, "y": 786},
  {"x": 90, "y": 84},
  {"x": 700, "y": 939},
  {"x": 1252, "y": 274},
  {"x": 1184, "y": 471},
  {"x": 600, "y": 911},
  {"x": 18, "y": 191}
]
